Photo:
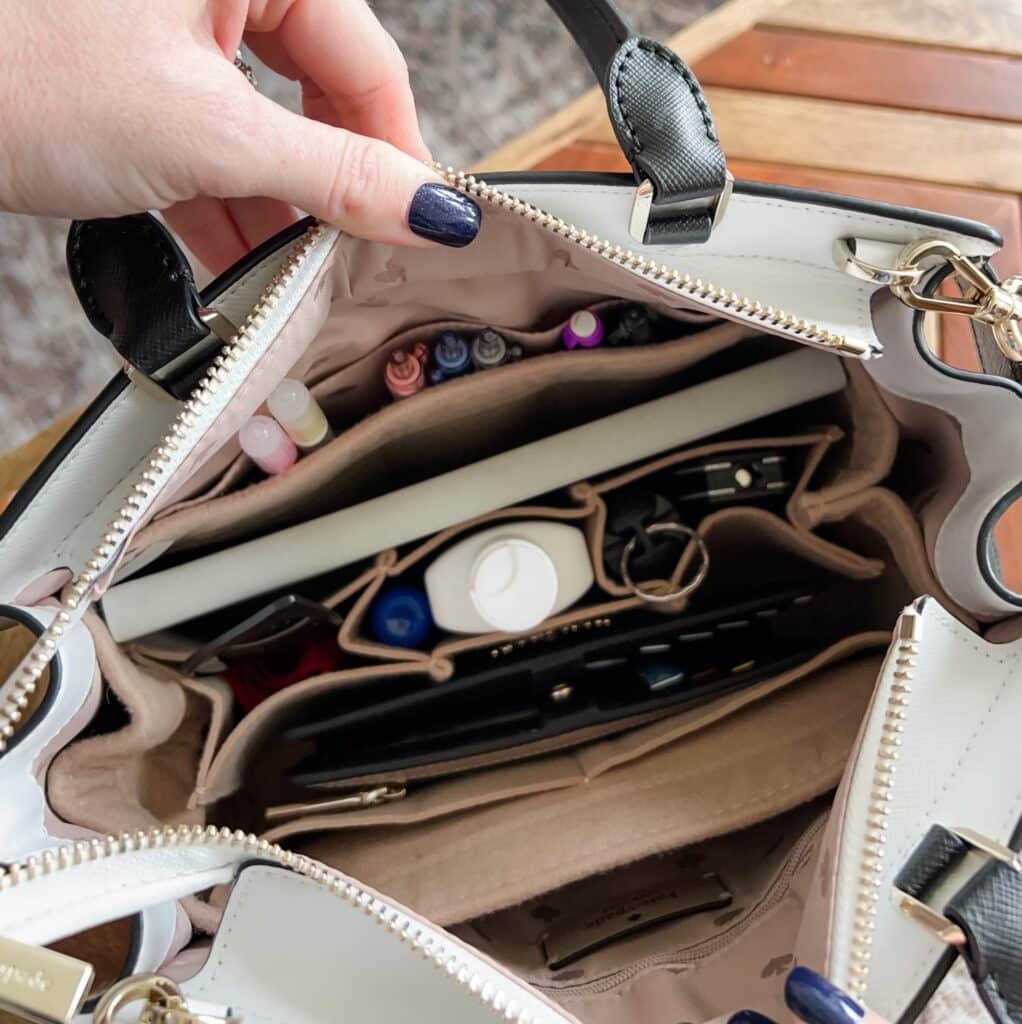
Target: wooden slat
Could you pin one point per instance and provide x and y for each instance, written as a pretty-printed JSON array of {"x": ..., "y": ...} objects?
[
  {"x": 863, "y": 139},
  {"x": 993, "y": 26},
  {"x": 579, "y": 119},
  {"x": 868, "y": 71}
]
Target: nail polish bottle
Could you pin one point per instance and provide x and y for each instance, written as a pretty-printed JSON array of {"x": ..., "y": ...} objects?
[
  {"x": 294, "y": 408},
  {"x": 404, "y": 374},
  {"x": 401, "y": 617},
  {"x": 263, "y": 440},
  {"x": 489, "y": 349},
  {"x": 583, "y": 330},
  {"x": 451, "y": 357}
]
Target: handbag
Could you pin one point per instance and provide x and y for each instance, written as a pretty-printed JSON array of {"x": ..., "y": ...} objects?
[{"x": 772, "y": 723}]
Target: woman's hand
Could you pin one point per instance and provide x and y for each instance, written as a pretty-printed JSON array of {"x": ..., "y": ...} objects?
[
  {"x": 116, "y": 106},
  {"x": 814, "y": 1000}
]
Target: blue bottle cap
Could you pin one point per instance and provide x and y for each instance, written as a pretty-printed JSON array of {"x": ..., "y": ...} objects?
[
  {"x": 451, "y": 355},
  {"x": 401, "y": 617}
]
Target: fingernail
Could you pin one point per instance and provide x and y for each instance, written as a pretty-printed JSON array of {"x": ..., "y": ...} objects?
[
  {"x": 817, "y": 1001},
  {"x": 750, "y": 1017},
  {"x": 443, "y": 214}
]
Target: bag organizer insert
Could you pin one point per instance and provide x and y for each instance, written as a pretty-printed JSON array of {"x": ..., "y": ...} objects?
[{"x": 616, "y": 799}]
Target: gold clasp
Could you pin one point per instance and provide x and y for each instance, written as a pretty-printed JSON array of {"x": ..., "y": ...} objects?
[
  {"x": 982, "y": 299},
  {"x": 162, "y": 1002}
]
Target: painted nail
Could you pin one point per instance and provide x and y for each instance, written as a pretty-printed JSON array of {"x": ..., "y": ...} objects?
[
  {"x": 750, "y": 1017},
  {"x": 817, "y": 1001},
  {"x": 443, "y": 214}
]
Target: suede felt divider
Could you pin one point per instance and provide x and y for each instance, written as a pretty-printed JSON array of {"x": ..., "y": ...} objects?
[
  {"x": 791, "y": 552},
  {"x": 744, "y": 769},
  {"x": 460, "y": 422},
  {"x": 503, "y": 775}
]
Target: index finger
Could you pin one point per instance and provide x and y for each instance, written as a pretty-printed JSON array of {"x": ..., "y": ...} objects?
[{"x": 351, "y": 70}]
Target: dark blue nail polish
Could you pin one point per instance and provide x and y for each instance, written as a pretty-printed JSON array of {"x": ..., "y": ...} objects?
[
  {"x": 443, "y": 214},
  {"x": 817, "y": 1001},
  {"x": 749, "y": 1017}
]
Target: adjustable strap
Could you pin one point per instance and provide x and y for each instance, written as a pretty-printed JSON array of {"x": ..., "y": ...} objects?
[{"x": 967, "y": 890}]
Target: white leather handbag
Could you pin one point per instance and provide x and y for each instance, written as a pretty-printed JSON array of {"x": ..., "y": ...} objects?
[{"x": 830, "y": 779}]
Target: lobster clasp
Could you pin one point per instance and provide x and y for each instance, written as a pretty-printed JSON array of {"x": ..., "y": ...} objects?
[{"x": 982, "y": 298}]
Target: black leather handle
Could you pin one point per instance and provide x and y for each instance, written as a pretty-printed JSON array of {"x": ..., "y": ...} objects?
[
  {"x": 660, "y": 117},
  {"x": 986, "y": 908}
]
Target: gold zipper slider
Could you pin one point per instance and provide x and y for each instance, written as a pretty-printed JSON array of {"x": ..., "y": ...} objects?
[
  {"x": 162, "y": 1003},
  {"x": 40, "y": 984},
  {"x": 349, "y": 802}
]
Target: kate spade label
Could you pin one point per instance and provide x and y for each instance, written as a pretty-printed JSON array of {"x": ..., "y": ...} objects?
[
  {"x": 578, "y": 936},
  {"x": 41, "y": 985}
]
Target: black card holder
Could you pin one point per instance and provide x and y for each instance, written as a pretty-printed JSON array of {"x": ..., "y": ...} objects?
[{"x": 648, "y": 664}]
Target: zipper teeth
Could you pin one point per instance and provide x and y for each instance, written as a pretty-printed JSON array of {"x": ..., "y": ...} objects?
[
  {"x": 692, "y": 287},
  {"x": 405, "y": 929},
  {"x": 147, "y": 485},
  {"x": 884, "y": 774},
  {"x": 701, "y": 951}
]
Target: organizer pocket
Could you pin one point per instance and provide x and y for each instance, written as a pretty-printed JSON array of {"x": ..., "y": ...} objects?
[
  {"x": 447, "y": 426},
  {"x": 454, "y": 864}
]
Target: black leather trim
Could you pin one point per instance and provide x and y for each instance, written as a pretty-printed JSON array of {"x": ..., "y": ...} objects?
[
  {"x": 136, "y": 288},
  {"x": 664, "y": 126},
  {"x": 939, "y": 852},
  {"x": 8, "y": 611},
  {"x": 597, "y": 26}
]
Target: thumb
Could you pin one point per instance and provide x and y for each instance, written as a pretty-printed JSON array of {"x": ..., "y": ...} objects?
[{"x": 367, "y": 187}]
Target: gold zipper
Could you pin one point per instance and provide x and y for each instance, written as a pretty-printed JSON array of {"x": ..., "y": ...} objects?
[
  {"x": 17, "y": 691},
  {"x": 180, "y": 438},
  {"x": 884, "y": 772},
  {"x": 443, "y": 956},
  {"x": 694, "y": 288}
]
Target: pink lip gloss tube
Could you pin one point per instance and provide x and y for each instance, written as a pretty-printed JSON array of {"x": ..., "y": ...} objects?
[
  {"x": 263, "y": 440},
  {"x": 405, "y": 373}
]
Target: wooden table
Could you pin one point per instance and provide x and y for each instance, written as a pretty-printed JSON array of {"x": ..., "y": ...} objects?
[{"x": 916, "y": 102}]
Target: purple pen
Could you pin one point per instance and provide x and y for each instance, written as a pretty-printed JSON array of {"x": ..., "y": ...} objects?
[{"x": 583, "y": 330}]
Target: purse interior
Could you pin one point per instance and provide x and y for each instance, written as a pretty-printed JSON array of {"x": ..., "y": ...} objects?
[{"x": 653, "y": 865}]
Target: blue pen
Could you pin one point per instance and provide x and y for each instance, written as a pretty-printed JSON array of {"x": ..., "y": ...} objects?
[{"x": 451, "y": 357}]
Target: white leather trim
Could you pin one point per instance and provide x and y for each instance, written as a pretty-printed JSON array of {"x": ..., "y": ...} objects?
[
  {"x": 957, "y": 766},
  {"x": 774, "y": 251},
  {"x": 69, "y": 514},
  {"x": 990, "y": 423},
  {"x": 289, "y": 952},
  {"x": 27, "y": 825},
  {"x": 64, "y": 902}
]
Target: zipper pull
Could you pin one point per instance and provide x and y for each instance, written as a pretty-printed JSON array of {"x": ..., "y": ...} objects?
[
  {"x": 349, "y": 802},
  {"x": 40, "y": 984},
  {"x": 162, "y": 1002}
]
